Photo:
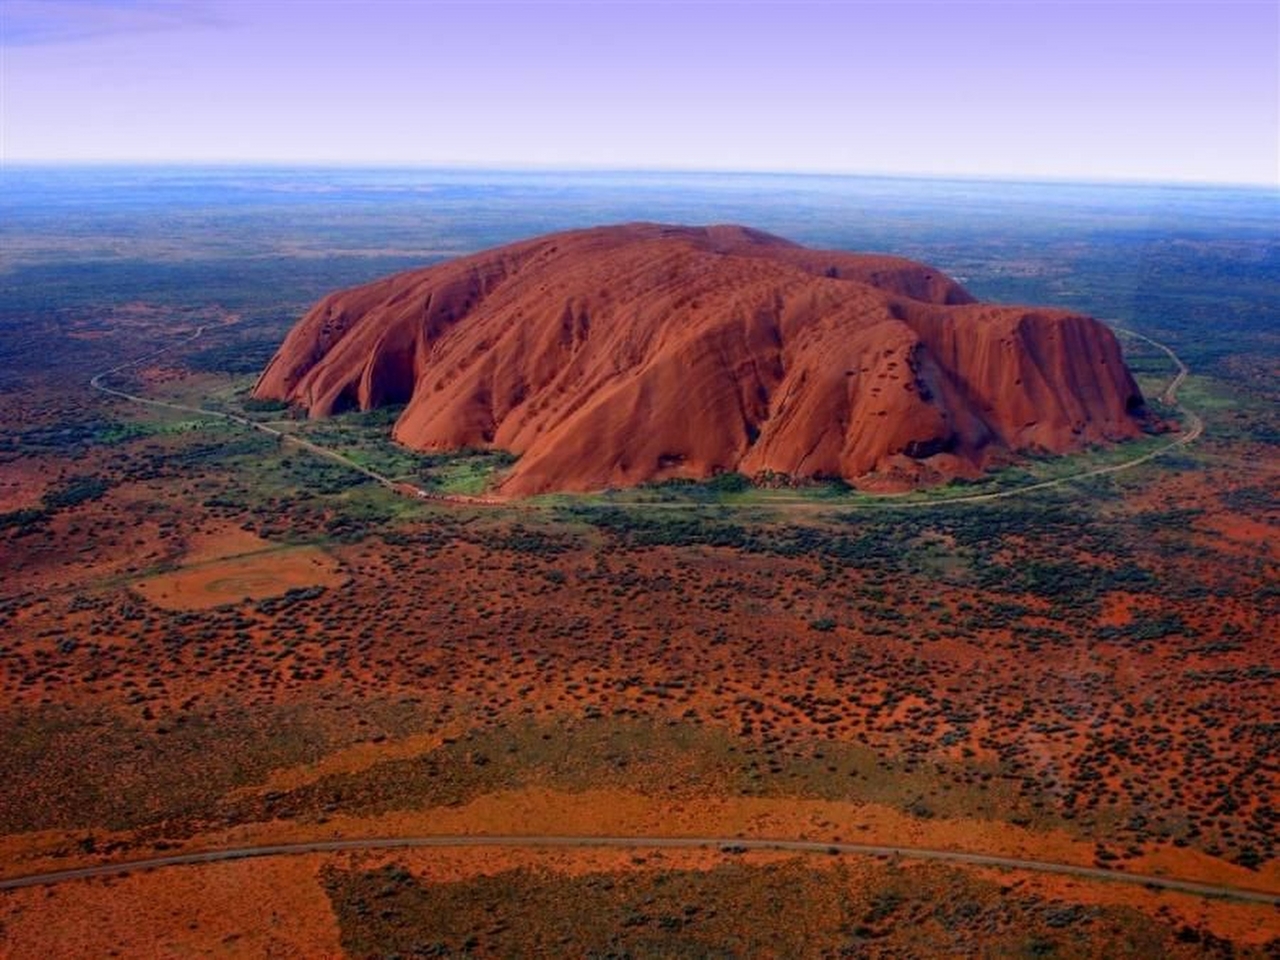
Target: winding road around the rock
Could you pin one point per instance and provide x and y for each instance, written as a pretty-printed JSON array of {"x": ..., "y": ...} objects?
[
  {"x": 1194, "y": 427},
  {"x": 279, "y": 435}
]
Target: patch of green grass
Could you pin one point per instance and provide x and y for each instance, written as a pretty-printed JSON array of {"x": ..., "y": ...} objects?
[
  {"x": 468, "y": 473},
  {"x": 1231, "y": 414}
]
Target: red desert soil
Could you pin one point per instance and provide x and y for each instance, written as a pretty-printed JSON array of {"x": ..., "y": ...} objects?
[
  {"x": 274, "y": 908},
  {"x": 270, "y": 573},
  {"x": 277, "y": 907},
  {"x": 617, "y": 355}
]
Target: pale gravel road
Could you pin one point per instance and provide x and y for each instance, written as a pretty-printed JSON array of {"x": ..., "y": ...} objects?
[
  {"x": 725, "y": 844},
  {"x": 1194, "y": 427}
]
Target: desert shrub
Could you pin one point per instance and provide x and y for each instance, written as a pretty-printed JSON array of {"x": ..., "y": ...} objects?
[
  {"x": 76, "y": 491},
  {"x": 255, "y": 405},
  {"x": 25, "y": 520},
  {"x": 729, "y": 483}
]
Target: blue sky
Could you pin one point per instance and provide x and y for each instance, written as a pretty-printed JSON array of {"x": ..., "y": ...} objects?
[{"x": 1114, "y": 90}]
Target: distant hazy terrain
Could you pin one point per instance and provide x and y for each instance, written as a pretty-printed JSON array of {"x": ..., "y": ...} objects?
[{"x": 1177, "y": 260}]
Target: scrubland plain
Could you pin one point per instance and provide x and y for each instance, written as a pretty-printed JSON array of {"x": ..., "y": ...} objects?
[{"x": 212, "y": 639}]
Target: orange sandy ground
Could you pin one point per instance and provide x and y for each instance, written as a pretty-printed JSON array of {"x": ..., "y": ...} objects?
[
  {"x": 273, "y": 908},
  {"x": 615, "y": 812},
  {"x": 255, "y": 576},
  {"x": 277, "y": 908}
]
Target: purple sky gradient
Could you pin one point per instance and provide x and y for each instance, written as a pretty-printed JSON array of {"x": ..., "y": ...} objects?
[{"x": 1142, "y": 90}]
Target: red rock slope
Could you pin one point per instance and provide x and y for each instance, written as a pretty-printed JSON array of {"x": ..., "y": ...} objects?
[{"x": 616, "y": 355}]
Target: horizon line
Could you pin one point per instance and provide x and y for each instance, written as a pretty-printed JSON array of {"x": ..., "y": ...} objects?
[{"x": 502, "y": 166}]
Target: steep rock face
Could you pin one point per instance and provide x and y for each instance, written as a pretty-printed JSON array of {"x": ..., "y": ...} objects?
[{"x": 616, "y": 355}]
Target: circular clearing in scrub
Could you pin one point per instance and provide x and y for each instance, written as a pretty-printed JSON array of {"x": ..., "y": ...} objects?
[{"x": 256, "y": 576}]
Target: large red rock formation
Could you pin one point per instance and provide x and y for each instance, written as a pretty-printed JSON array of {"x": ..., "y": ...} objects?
[{"x": 612, "y": 356}]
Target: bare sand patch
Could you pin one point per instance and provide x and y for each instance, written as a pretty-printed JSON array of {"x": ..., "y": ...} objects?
[
  {"x": 22, "y": 483},
  {"x": 353, "y": 759},
  {"x": 255, "y": 576}
]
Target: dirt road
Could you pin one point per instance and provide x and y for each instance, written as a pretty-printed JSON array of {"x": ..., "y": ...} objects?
[
  {"x": 727, "y": 844},
  {"x": 1194, "y": 427},
  {"x": 280, "y": 435}
]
